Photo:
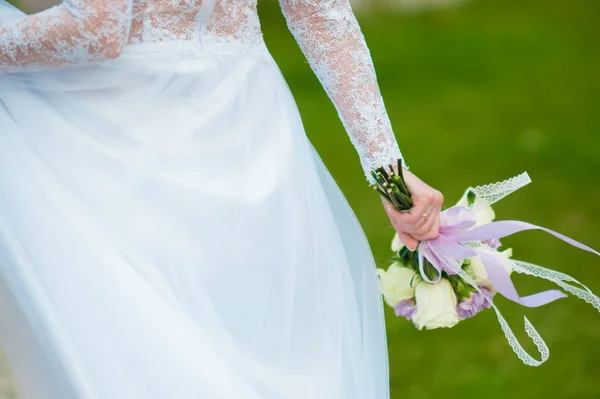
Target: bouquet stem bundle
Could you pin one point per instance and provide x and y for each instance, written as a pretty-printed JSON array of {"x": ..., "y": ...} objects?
[{"x": 392, "y": 187}]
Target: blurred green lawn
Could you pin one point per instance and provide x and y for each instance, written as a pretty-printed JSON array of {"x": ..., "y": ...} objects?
[{"x": 476, "y": 94}]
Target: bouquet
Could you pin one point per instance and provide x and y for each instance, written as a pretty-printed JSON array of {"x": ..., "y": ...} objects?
[{"x": 456, "y": 275}]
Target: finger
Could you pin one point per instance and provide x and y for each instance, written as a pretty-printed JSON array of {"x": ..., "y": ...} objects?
[
  {"x": 393, "y": 213},
  {"x": 393, "y": 216},
  {"x": 414, "y": 222},
  {"x": 388, "y": 207},
  {"x": 429, "y": 205},
  {"x": 430, "y": 229},
  {"x": 433, "y": 231},
  {"x": 428, "y": 218},
  {"x": 422, "y": 226},
  {"x": 413, "y": 219},
  {"x": 408, "y": 240}
]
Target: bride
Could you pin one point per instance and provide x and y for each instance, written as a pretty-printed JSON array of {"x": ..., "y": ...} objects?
[{"x": 166, "y": 228}]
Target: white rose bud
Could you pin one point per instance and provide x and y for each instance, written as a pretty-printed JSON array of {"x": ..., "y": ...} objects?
[
  {"x": 397, "y": 245},
  {"x": 395, "y": 283},
  {"x": 478, "y": 272},
  {"x": 436, "y": 305},
  {"x": 484, "y": 214}
]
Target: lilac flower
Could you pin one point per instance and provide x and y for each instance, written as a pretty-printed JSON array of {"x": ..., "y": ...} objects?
[
  {"x": 469, "y": 307},
  {"x": 406, "y": 308}
]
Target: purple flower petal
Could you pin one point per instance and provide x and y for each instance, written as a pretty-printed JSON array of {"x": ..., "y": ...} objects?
[
  {"x": 406, "y": 308},
  {"x": 469, "y": 307}
]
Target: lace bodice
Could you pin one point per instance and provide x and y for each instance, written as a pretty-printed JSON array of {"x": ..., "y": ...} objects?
[{"x": 85, "y": 31}]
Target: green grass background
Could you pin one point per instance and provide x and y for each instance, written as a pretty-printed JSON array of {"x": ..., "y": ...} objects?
[{"x": 476, "y": 94}]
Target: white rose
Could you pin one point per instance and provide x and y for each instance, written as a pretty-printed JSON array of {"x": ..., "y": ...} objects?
[
  {"x": 478, "y": 270},
  {"x": 395, "y": 283},
  {"x": 397, "y": 245},
  {"x": 436, "y": 305},
  {"x": 481, "y": 208},
  {"x": 483, "y": 212}
]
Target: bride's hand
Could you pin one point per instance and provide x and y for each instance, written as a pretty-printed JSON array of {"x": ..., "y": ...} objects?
[{"x": 422, "y": 222}]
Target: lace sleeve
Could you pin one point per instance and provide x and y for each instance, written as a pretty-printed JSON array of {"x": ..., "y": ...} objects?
[
  {"x": 330, "y": 37},
  {"x": 72, "y": 33}
]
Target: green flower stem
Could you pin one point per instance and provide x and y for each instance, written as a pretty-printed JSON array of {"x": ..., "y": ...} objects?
[
  {"x": 391, "y": 186},
  {"x": 462, "y": 289},
  {"x": 381, "y": 192},
  {"x": 381, "y": 170},
  {"x": 406, "y": 200},
  {"x": 393, "y": 199}
]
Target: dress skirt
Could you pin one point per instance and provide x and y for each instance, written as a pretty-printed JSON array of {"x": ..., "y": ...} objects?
[{"x": 167, "y": 230}]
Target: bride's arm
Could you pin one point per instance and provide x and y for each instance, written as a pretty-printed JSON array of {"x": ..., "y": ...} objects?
[
  {"x": 72, "y": 33},
  {"x": 333, "y": 43}
]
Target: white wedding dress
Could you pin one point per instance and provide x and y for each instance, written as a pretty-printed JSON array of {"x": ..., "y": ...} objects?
[{"x": 166, "y": 228}]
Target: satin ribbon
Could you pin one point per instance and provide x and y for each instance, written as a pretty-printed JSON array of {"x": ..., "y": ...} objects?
[{"x": 448, "y": 251}]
